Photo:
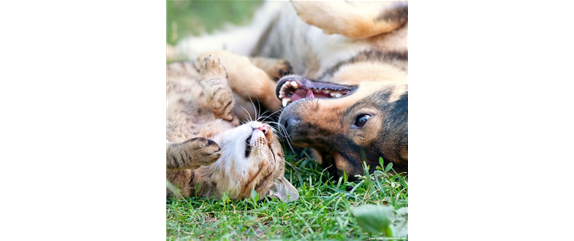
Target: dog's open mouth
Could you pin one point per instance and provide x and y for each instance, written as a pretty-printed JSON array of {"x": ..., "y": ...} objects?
[{"x": 292, "y": 88}]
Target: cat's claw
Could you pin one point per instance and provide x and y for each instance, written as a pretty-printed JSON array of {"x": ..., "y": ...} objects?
[
  {"x": 208, "y": 151},
  {"x": 211, "y": 67},
  {"x": 211, "y": 152}
]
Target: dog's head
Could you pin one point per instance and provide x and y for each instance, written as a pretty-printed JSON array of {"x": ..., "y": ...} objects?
[{"x": 359, "y": 113}]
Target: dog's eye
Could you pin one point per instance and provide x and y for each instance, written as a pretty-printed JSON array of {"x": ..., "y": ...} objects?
[{"x": 362, "y": 119}]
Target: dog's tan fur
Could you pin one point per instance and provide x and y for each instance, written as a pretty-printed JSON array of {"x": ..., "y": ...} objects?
[{"x": 357, "y": 19}]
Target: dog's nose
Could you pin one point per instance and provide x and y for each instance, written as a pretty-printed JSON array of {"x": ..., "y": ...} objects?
[{"x": 290, "y": 122}]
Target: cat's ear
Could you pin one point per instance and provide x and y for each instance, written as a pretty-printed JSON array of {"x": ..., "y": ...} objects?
[{"x": 284, "y": 190}]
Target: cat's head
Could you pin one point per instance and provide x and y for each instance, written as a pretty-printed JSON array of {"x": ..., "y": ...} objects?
[{"x": 252, "y": 158}]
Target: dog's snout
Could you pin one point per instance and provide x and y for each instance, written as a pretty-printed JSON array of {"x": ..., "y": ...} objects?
[{"x": 290, "y": 122}]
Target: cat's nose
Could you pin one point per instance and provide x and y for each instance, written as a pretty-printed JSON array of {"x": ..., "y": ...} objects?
[{"x": 264, "y": 128}]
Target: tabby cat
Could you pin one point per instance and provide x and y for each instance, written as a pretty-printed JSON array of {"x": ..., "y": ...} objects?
[{"x": 208, "y": 152}]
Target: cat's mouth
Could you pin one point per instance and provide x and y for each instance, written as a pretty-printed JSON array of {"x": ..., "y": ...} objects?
[
  {"x": 259, "y": 137},
  {"x": 292, "y": 88}
]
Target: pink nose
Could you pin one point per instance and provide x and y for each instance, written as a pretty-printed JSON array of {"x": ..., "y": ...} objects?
[{"x": 264, "y": 128}]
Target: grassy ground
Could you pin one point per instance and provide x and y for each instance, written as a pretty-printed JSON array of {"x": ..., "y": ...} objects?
[{"x": 323, "y": 210}]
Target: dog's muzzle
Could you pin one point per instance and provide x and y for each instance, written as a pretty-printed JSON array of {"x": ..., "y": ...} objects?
[{"x": 290, "y": 123}]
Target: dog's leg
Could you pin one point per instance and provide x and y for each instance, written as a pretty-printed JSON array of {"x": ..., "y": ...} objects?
[
  {"x": 275, "y": 68},
  {"x": 246, "y": 80},
  {"x": 354, "y": 19}
]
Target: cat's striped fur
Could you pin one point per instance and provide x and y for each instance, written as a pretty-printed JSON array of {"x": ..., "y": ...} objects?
[{"x": 208, "y": 153}]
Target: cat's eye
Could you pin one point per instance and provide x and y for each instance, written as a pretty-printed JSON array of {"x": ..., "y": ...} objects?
[
  {"x": 247, "y": 147},
  {"x": 362, "y": 119}
]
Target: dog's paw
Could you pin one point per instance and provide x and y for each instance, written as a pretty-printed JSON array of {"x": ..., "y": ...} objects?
[
  {"x": 283, "y": 68},
  {"x": 274, "y": 68}
]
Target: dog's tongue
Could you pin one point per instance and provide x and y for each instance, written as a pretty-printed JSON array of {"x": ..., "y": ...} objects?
[{"x": 301, "y": 94}]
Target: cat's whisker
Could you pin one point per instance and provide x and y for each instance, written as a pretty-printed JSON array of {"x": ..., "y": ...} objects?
[
  {"x": 292, "y": 166},
  {"x": 259, "y": 109},
  {"x": 262, "y": 115},
  {"x": 264, "y": 118},
  {"x": 275, "y": 129},
  {"x": 281, "y": 129},
  {"x": 254, "y": 108},
  {"x": 279, "y": 110},
  {"x": 247, "y": 112},
  {"x": 284, "y": 133},
  {"x": 270, "y": 115}
]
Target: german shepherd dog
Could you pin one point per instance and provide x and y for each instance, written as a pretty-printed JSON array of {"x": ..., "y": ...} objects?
[{"x": 347, "y": 98}]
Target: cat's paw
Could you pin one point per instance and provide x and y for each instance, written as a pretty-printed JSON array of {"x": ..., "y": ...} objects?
[
  {"x": 209, "y": 151},
  {"x": 205, "y": 151},
  {"x": 212, "y": 69},
  {"x": 217, "y": 92}
]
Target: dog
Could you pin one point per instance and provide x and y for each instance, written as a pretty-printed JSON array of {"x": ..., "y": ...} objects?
[{"x": 347, "y": 96}]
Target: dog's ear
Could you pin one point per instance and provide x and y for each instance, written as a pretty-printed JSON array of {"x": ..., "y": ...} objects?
[{"x": 283, "y": 190}]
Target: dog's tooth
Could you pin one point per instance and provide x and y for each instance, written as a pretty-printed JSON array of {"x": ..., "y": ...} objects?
[
  {"x": 335, "y": 94},
  {"x": 294, "y": 84},
  {"x": 281, "y": 94},
  {"x": 285, "y": 101},
  {"x": 326, "y": 92}
]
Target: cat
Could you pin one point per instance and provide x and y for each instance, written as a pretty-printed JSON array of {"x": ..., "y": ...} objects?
[{"x": 208, "y": 152}]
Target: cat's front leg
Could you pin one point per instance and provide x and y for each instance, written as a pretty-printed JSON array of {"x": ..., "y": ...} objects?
[
  {"x": 250, "y": 82},
  {"x": 218, "y": 94},
  {"x": 191, "y": 154}
]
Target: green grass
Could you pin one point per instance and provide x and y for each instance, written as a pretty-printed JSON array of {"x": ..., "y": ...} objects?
[{"x": 323, "y": 210}]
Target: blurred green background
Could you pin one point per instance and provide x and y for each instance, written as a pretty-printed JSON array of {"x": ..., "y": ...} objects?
[{"x": 185, "y": 18}]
